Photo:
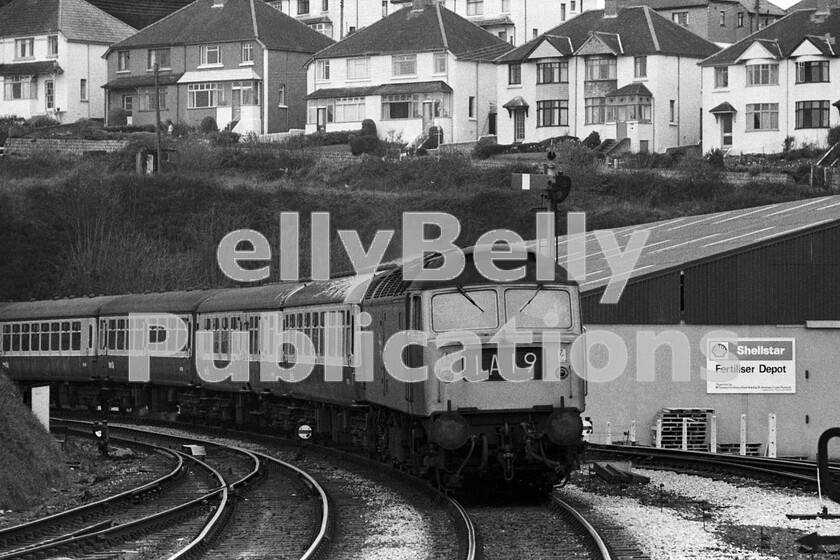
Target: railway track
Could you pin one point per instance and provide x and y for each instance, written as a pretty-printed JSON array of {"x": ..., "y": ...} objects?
[{"x": 361, "y": 493}]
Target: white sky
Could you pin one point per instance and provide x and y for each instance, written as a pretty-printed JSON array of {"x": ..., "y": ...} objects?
[{"x": 784, "y": 3}]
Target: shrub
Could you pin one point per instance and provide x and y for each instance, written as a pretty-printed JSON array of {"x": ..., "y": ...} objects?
[
  {"x": 208, "y": 125},
  {"x": 223, "y": 138},
  {"x": 434, "y": 139},
  {"x": 755, "y": 170},
  {"x": 368, "y": 128},
  {"x": 593, "y": 140},
  {"x": 715, "y": 158},
  {"x": 42, "y": 121},
  {"x": 365, "y": 144},
  {"x": 179, "y": 129},
  {"x": 787, "y": 143},
  {"x": 834, "y": 135},
  {"x": 118, "y": 116}
]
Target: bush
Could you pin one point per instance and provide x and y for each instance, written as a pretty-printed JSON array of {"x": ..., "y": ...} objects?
[
  {"x": 223, "y": 138},
  {"x": 179, "y": 130},
  {"x": 593, "y": 140},
  {"x": 118, "y": 116},
  {"x": 834, "y": 135},
  {"x": 208, "y": 125},
  {"x": 365, "y": 145},
  {"x": 485, "y": 149},
  {"x": 10, "y": 127},
  {"x": 369, "y": 128},
  {"x": 42, "y": 121},
  {"x": 716, "y": 159}
]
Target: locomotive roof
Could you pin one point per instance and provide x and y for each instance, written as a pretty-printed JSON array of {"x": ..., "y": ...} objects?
[
  {"x": 345, "y": 289},
  {"x": 270, "y": 296},
  {"x": 54, "y": 309},
  {"x": 185, "y": 301}
]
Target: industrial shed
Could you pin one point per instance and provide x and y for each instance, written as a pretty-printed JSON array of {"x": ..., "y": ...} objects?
[{"x": 771, "y": 273}]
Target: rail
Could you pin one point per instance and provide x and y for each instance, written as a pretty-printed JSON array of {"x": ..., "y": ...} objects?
[{"x": 590, "y": 531}]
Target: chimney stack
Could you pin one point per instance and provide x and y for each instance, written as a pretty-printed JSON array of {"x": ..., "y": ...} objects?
[
  {"x": 418, "y": 5},
  {"x": 823, "y": 7},
  {"x": 610, "y": 8}
]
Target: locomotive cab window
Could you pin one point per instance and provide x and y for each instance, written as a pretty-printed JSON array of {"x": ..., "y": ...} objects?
[
  {"x": 465, "y": 310},
  {"x": 539, "y": 308}
]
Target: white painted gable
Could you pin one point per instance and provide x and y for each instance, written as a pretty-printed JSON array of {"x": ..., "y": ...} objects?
[
  {"x": 807, "y": 48},
  {"x": 544, "y": 50},
  {"x": 756, "y": 50}
]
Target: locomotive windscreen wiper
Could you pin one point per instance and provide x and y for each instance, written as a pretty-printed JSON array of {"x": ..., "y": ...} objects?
[
  {"x": 539, "y": 288},
  {"x": 469, "y": 299}
]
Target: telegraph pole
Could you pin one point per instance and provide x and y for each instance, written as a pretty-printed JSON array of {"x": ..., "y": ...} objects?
[{"x": 157, "y": 117}]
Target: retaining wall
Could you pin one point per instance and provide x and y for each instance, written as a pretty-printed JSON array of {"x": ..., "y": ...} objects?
[{"x": 76, "y": 146}]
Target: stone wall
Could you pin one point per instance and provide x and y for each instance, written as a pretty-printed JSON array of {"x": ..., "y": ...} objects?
[
  {"x": 27, "y": 146},
  {"x": 731, "y": 177}
]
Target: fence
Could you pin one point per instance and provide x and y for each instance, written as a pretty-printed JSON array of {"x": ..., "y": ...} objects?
[{"x": 827, "y": 177}]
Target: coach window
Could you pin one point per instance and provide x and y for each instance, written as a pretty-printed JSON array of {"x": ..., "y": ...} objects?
[
  {"x": 254, "y": 335},
  {"x": 76, "y": 336},
  {"x": 45, "y": 337},
  {"x": 55, "y": 334},
  {"x": 7, "y": 338},
  {"x": 476, "y": 309},
  {"x": 225, "y": 335},
  {"x": 24, "y": 338}
]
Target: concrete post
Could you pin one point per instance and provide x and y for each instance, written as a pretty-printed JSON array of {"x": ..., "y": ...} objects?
[
  {"x": 659, "y": 434},
  {"x": 743, "y": 450},
  {"x": 771, "y": 436},
  {"x": 609, "y": 434},
  {"x": 713, "y": 434},
  {"x": 633, "y": 432},
  {"x": 685, "y": 434}
]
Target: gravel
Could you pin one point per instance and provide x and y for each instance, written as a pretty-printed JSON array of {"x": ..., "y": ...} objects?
[{"x": 743, "y": 519}]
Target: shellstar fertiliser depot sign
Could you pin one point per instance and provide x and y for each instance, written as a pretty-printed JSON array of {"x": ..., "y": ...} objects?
[{"x": 751, "y": 365}]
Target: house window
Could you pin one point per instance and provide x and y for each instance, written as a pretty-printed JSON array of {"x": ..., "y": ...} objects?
[
  {"x": 400, "y": 107},
  {"x": 629, "y": 108},
  {"x": 762, "y": 74},
  {"x": 552, "y": 72},
  {"x": 322, "y": 70},
  {"x": 644, "y": 146},
  {"x": 312, "y": 107},
  {"x": 554, "y": 112},
  {"x": 502, "y": 35},
  {"x": 762, "y": 116},
  {"x": 200, "y": 96},
  {"x": 640, "y": 67},
  {"x": 812, "y": 114},
  {"x": 281, "y": 95},
  {"x": 358, "y": 68},
  {"x": 303, "y": 7},
  {"x": 505, "y": 6},
  {"x": 740, "y": 19},
  {"x": 680, "y": 18},
  {"x": 247, "y": 52},
  {"x": 123, "y": 61},
  {"x": 247, "y": 92},
  {"x": 24, "y": 48},
  {"x": 536, "y": 33},
  {"x": 475, "y": 7},
  {"x": 210, "y": 54},
  {"x": 812, "y": 72},
  {"x": 600, "y": 68},
  {"x": 722, "y": 18},
  {"x": 672, "y": 111},
  {"x": 572, "y": 5},
  {"x": 147, "y": 98},
  {"x": 52, "y": 45},
  {"x": 562, "y": 12},
  {"x": 440, "y": 63},
  {"x": 594, "y": 110},
  {"x": 721, "y": 77},
  {"x": 159, "y": 57},
  {"x": 384, "y": 8},
  {"x": 325, "y": 5},
  {"x": 471, "y": 107},
  {"x": 404, "y": 65},
  {"x": 49, "y": 93},
  {"x": 514, "y": 74},
  {"x": 349, "y": 109},
  {"x": 323, "y": 28},
  {"x": 128, "y": 102},
  {"x": 20, "y": 87},
  {"x": 83, "y": 90}
]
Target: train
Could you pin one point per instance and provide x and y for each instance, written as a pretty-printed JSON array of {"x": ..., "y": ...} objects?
[{"x": 443, "y": 426}]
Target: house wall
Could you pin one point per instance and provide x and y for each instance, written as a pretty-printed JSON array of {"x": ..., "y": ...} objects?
[
  {"x": 286, "y": 68},
  {"x": 786, "y": 94}
]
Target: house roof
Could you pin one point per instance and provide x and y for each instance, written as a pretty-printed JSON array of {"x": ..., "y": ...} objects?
[
  {"x": 77, "y": 20},
  {"x": 764, "y": 7},
  {"x": 784, "y": 36},
  {"x": 139, "y": 14},
  {"x": 31, "y": 68},
  {"x": 630, "y": 89},
  {"x": 517, "y": 102},
  {"x": 636, "y": 30},
  {"x": 491, "y": 22},
  {"x": 385, "y": 89},
  {"x": 724, "y": 107},
  {"x": 164, "y": 79},
  {"x": 434, "y": 28},
  {"x": 235, "y": 20}
]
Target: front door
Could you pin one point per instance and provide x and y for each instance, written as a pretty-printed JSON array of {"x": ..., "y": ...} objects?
[
  {"x": 236, "y": 102},
  {"x": 321, "y": 118},
  {"x": 726, "y": 130},
  {"x": 518, "y": 125}
]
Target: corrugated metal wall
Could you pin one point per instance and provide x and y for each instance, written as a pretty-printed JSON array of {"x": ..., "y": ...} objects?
[{"x": 787, "y": 282}]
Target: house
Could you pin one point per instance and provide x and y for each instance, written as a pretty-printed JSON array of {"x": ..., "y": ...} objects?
[
  {"x": 334, "y": 18},
  {"x": 630, "y": 75},
  {"x": 783, "y": 81},
  {"x": 50, "y": 58},
  {"x": 417, "y": 68},
  {"x": 515, "y": 21},
  {"x": 238, "y": 61}
]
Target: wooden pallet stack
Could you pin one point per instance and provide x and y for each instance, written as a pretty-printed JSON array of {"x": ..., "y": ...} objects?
[{"x": 672, "y": 427}]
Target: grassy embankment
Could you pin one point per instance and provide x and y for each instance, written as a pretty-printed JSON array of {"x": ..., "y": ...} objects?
[{"x": 89, "y": 225}]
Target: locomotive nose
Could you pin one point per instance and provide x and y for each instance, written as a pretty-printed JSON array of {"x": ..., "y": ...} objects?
[{"x": 564, "y": 426}]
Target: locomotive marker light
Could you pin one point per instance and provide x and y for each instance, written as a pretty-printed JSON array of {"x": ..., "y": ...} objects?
[
  {"x": 100, "y": 433},
  {"x": 304, "y": 431}
]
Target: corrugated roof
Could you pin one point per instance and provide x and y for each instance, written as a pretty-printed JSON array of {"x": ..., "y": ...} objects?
[
  {"x": 787, "y": 33},
  {"x": 674, "y": 244},
  {"x": 200, "y": 22},
  {"x": 636, "y": 30},
  {"x": 77, "y": 20},
  {"x": 409, "y": 31}
]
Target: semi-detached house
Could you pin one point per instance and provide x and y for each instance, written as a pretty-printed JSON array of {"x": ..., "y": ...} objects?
[
  {"x": 51, "y": 58},
  {"x": 238, "y": 61},
  {"x": 631, "y": 75},
  {"x": 783, "y": 81},
  {"x": 419, "y": 67}
]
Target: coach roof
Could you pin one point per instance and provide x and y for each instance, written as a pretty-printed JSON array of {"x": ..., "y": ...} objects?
[
  {"x": 163, "y": 302},
  {"x": 268, "y": 297},
  {"x": 54, "y": 309}
]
